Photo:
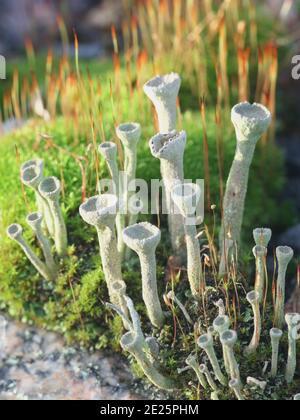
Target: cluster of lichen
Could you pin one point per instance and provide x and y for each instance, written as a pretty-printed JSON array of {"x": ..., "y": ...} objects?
[{"x": 82, "y": 296}]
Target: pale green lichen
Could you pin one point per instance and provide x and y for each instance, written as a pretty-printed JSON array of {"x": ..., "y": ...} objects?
[
  {"x": 284, "y": 256},
  {"x": 254, "y": 299},
  {"x": 109, "y": 152},
  {"x": 205, "y": 342},
  {"x": 229, "y": 339},
  {"x": 235, "y": 385},
  {"x": 226, "y": 257},
  {"x": 260, "y": 254},
  {"x": 34, "y": 220},
  {"x": 276, "y": 336},
  {"x": 292, "y": 321},
  {"x": 129, "y": 134},
  {"x": 163, "y": 92},
  {"x": 135, "y": 343},
  {"x": 50, "y": 189},
  {"x": 222, "y": 324},
  {"x": 172, "y": 297},
  {"x": 186, "y": 197},
  {"x": 15, "y": 232},
  {"x": 169, "y": 149},
  {"x": 119, "y": 290},
  {"x": 100, "y": 212},
  {"x": 191, "y": 361},
  {"x": 262, "y": 236},
  {"x": 205, "y": 371},
  {"x": 143, "y": 238}
]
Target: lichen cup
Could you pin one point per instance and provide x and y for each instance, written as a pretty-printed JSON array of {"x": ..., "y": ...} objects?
[
  {"x": 135, "y": 345},
  {"x": 100, "y": 212},
  {"x": 250, "y": 122},
  {"x": 32, "y": 174},
  {"x": 143, "y": 238},
  {"x": 163, "y": 92},
  {"x": 50, "y": 189},
  {"x": 35, "y": 220}
]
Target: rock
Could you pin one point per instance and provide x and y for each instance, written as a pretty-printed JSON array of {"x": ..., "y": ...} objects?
[
  {"x": 291, "y": 238},
  {"x": 66, "y": 374}
]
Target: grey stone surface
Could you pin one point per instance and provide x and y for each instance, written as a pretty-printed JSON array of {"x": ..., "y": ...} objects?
[{"x": 36, "y": 365}]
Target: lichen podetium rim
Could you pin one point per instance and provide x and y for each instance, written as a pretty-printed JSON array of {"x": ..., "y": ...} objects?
[{"x": 163, "y": 92}]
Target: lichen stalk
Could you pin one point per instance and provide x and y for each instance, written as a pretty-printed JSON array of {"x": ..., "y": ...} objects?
[
  {"x": 134, "y": 342},
  {"x": 276, "y": 336},
  {"x": 251, "y": 122},
  {"x": 292, "y": 321},
  {"x": 100, "y": 212},
  {"x": 192, "y": 362},
  {"x": 35, "y": 220},
  {"x": 222, "y": 324},
  {"x": 260, "y": 254},
  {"x": 50, "y": 189},
  {"x": 109, "y": 152},
  {"x": 225, "y": 262},
  {"x": 15, "y": 232},
  {"x": 254, "y": 299},
  {"x": 229, "y": 340},
  {"x": 119, "y": 289},
  {"x": 169, "y": 149},
  {"x": 214, "y": 396},
  {"x": 32, "y": 174},
  {"x": 205, "y": 342},
  {"x": 284, "y": 256},
  {"x": 186, "y": 197},
  {"x": 262, "y": 236},
  {"x": 143, "y": 238},
  {"x": 171, "y": 296},
  {"x": 235, "y": 385},
  {"x": 130, "y": 134}
]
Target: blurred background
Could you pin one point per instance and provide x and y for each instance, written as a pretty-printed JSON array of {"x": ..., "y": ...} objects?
[
  {"x": 37, "y": 20},
  {"x": 92, "y": 19}
]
